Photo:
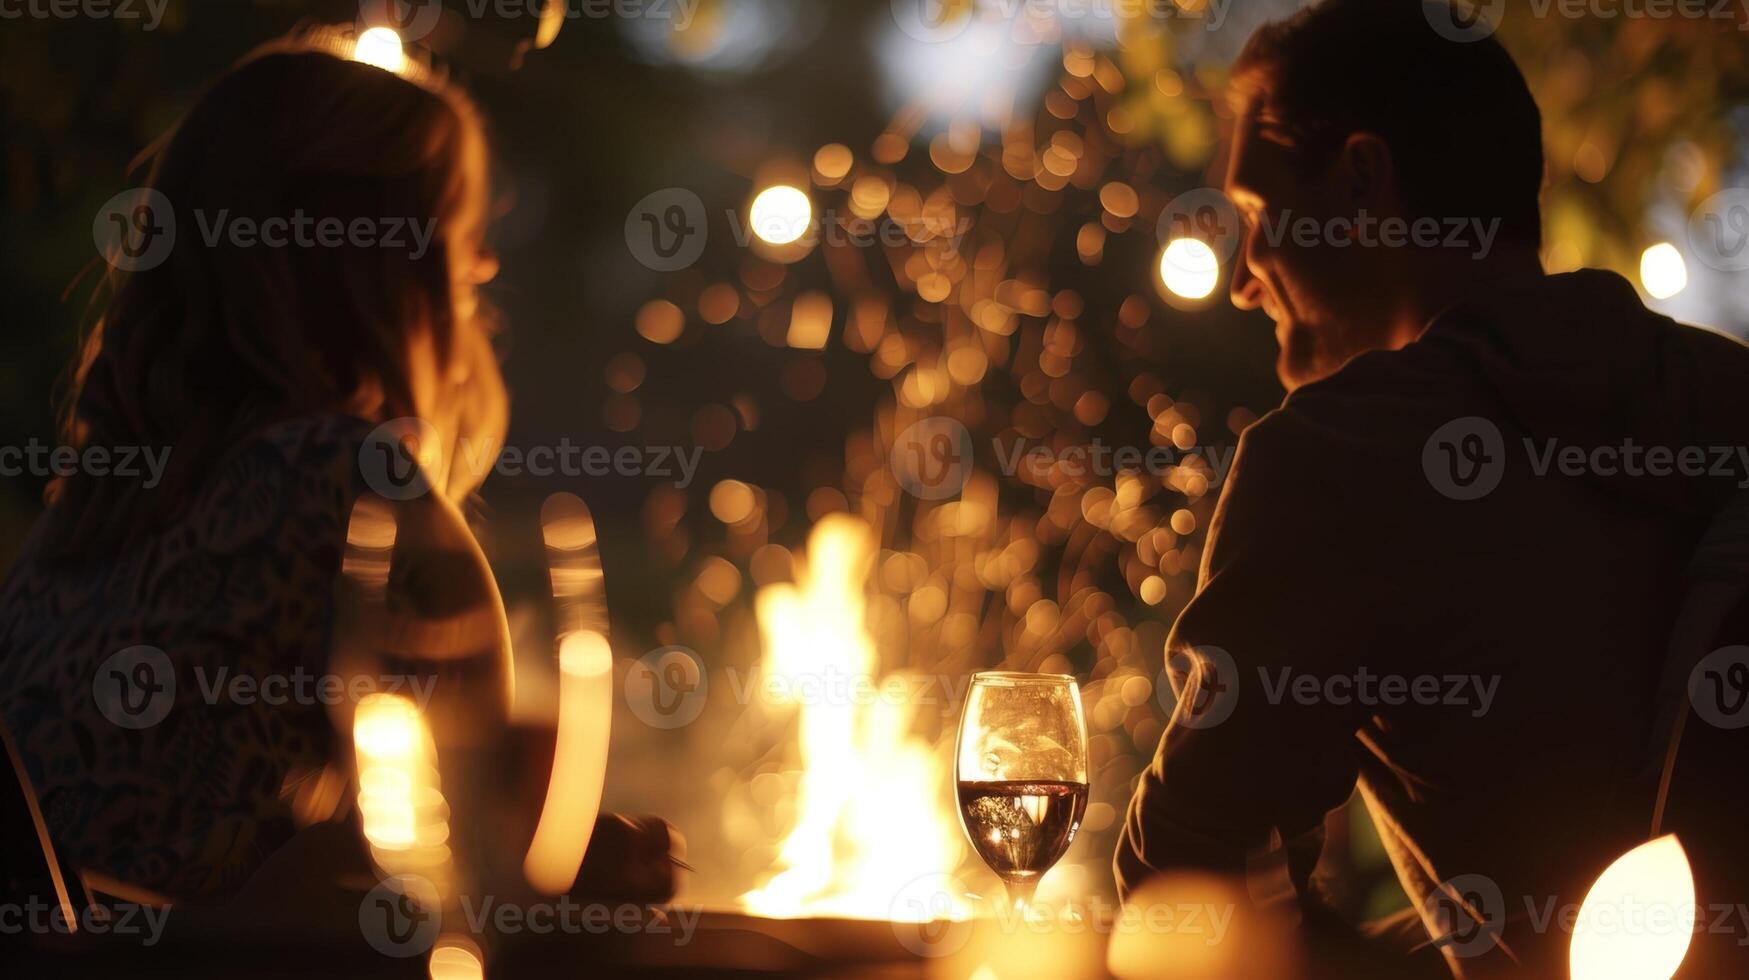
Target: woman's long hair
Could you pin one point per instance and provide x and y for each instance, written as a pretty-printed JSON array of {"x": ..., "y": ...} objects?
[{"x": 218, "y": 341}]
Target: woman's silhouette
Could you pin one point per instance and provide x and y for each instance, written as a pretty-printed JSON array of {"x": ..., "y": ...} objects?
[{"x": 269, "y": 371}]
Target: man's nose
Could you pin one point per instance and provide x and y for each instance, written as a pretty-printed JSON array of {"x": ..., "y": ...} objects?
[
  {"x": 1247, "y": 289},
  {"x": 485, "y": 268}
]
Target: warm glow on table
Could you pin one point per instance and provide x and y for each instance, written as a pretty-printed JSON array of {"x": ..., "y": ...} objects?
[
  {"x": 579, "y": 763},
  {"x": 456, "y": 958},
  {"x": 400, "y": 795},
  {"x": 1637, "y": 920}
]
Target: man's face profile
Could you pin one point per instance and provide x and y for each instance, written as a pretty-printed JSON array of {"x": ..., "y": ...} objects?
[{"x": 1328, "y": 303}]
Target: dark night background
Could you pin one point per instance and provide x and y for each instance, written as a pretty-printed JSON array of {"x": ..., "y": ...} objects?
[{"x": 614, "y": 111}]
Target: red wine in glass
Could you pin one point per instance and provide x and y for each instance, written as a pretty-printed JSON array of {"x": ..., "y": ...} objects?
[{"x": 1022, "y": 764}]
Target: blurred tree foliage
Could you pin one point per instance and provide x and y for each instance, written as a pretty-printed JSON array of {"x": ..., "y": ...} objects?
[{"x": 1638, "y": 112}]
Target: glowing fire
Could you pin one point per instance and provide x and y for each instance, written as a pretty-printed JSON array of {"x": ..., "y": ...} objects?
[
  {"x": 870, "y": 811},
  {"x": 400, "y": 799}
]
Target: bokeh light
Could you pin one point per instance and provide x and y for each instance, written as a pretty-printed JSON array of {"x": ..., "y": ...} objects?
[
  {"x": 780, "y": 214},
  {"x": 1189, "y": 268},
  {"x": 1662, "y": 271},
  {"x": 456, "y": 958}
]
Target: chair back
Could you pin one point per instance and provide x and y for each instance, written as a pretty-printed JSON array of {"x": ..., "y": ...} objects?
[
  {"x": 29, "y": 866},
  {"x": 1701, "y": 744}
]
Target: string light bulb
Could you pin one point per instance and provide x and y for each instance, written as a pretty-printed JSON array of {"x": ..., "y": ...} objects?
[{"x": 380, "y": 46}]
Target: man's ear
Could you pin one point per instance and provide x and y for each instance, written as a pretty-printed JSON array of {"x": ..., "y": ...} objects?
[{"x": 1369, "y": 172}]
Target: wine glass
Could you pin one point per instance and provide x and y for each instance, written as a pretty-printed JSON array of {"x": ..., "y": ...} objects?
[{"x": 1022, "y": 774}]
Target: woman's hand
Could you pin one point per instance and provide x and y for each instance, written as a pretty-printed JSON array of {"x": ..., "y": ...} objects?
[{"x": 631, "y": 859}]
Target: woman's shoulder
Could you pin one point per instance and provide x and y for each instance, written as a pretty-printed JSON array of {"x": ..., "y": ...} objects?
[
  {"x": 328, "y": 442},
  {"x": 298, "y": 475}
]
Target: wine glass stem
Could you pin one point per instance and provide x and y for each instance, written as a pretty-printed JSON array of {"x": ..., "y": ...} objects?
[{"x": 1020, "y": 896}]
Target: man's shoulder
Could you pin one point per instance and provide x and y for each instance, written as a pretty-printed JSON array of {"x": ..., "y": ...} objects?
[{"x": 1378, "y": 402}]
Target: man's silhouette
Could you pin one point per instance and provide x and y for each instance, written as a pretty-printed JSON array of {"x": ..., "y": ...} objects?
[{"x": 1480, "y": 493}]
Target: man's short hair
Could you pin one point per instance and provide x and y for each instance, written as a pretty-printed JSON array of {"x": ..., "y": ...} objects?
[{"x": 1463, "y": 129}]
